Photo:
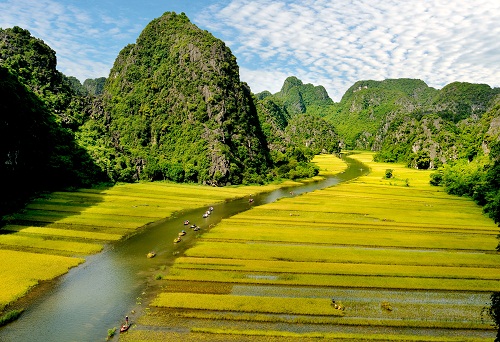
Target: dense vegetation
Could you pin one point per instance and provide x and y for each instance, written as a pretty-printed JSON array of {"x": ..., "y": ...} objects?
[
  {"x": 294, "y": 127},
  {"x": 478, "y": 179},
  {"x": 39, "y": 112},
  {"x": 178, "y": 111}
]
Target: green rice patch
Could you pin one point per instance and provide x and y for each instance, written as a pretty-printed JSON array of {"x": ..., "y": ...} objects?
[
  {"x": 346, "y": 236},
  {"x": 346, "y": 281},
  {"x": 245, "y": 265},
  {"x": 331, "y": 336},
  {"x": 216, "y": 302},
  {"x": 337, "y": 254}
]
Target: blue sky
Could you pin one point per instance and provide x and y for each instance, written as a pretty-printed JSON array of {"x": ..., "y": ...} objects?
[{"x": 333, "y": 43}]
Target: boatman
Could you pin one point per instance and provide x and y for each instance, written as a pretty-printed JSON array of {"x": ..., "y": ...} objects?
[{"x": 126, "y": 320}]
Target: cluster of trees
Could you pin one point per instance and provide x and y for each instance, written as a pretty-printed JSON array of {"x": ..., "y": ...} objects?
[{"x": 478, "y": 179}]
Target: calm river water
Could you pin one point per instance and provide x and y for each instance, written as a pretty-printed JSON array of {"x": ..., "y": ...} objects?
[{"x": 87, "y": 301}]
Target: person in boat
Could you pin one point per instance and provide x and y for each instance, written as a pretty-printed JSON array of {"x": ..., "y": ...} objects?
[{"x": 126, "y": 321}]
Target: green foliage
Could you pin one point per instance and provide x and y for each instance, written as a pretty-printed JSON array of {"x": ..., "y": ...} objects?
[
  {"x": 479, "y": 179},
  {"x": 94, "y": 86},
  {"x": 111, "y": 332},
  {"x": 37, "y": 147},
  {"x": 34, "y": 63},
  {"x": 293, "y": 134},
  {"x": 460, "y": 100},
  {"x": 388, "y": 173},
  {"x": 494, "y": 311},
  {"x": 10, "y": 316},
  {"x": 178, "y": 111}
]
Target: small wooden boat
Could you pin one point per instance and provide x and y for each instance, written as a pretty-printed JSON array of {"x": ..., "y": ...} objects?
[
  {"x": 205, "y": 215},
  {"x": 196, "y": 229},
  {"x": 177, "y": 240},
  {"x": 182, "y": 233},
  {"x": 151, "y": 254},
  {"x": 186, "y": 222},
  {"x": 193, "y": 226},
  {"x": 124, "y": 327}
]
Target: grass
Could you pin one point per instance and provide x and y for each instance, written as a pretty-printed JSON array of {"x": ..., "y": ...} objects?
[
  {"x": 10, "y": 316},
  {"x": 331, "y": 335},
  {"x": 340, "y": 254},
  {"x": 337, "y": 268},
  {"x": 336, "y": 280},
  {"x": 311, "y": 306},
  {"x": 20, "y": 271}
]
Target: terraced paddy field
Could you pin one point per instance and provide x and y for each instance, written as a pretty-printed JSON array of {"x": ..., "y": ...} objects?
[
  {"x": 403, "y": 260},
  {"x": 58, "y": 231}
]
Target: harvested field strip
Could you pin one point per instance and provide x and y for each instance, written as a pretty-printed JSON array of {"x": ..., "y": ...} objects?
[
  {"x": 319, "y": 253},
  {"x": 351, "y": 281},
  {"x": 337, "y": 268},
  {"x": 20, "y": 271},
  {"x": 310, "y": 306},
  {"x": 80, "y": 248},
  {"x": 300, "y": 319},
  {"x": 284, "y": 222},
  {"x": 46, "y": 231},
  {"x": 381, "y": 238},
  {"x": 234, "y": 333},
  {"x": 373, "y": 215}
]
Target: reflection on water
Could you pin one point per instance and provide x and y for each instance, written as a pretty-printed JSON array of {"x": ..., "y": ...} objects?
[{"x": 92, "y": 298}]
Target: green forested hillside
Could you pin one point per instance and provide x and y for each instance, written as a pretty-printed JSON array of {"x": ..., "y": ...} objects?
[
  {"x": 293, "y": 123},
  {"x": 38, "y": 113},
  {"x": 177, "y": 110},
  {"x": 294, "y": 117},
  {"x": 36, "y": 152}
]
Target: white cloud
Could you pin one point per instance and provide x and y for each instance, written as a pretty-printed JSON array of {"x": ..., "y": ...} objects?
[
  {"x": 86, "y": 42},
  {"x": 335, "y": 43}
]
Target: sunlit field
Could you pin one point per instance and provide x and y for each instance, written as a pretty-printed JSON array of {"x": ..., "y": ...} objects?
[
  {"x": 20, "y": 271},
  {"x": 402, "y": 260},
  {"x": 55, "y": 232}
]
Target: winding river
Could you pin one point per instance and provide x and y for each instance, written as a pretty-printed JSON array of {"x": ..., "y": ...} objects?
[{"x": 94, "y": 297}]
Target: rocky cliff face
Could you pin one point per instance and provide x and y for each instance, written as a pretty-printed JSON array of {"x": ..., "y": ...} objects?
[{"x": 176, "y": 102}]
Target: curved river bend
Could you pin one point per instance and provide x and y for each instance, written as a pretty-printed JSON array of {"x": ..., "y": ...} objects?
[{"x": 94, "y": 297}]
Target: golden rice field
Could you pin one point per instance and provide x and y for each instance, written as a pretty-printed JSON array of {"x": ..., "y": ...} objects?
[
  {"x": 55, "y": 232},
  {"x": 406, "y": 261}
]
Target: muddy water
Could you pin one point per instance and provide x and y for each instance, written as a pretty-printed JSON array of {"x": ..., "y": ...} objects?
[{"x": 83, "y": 304}]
